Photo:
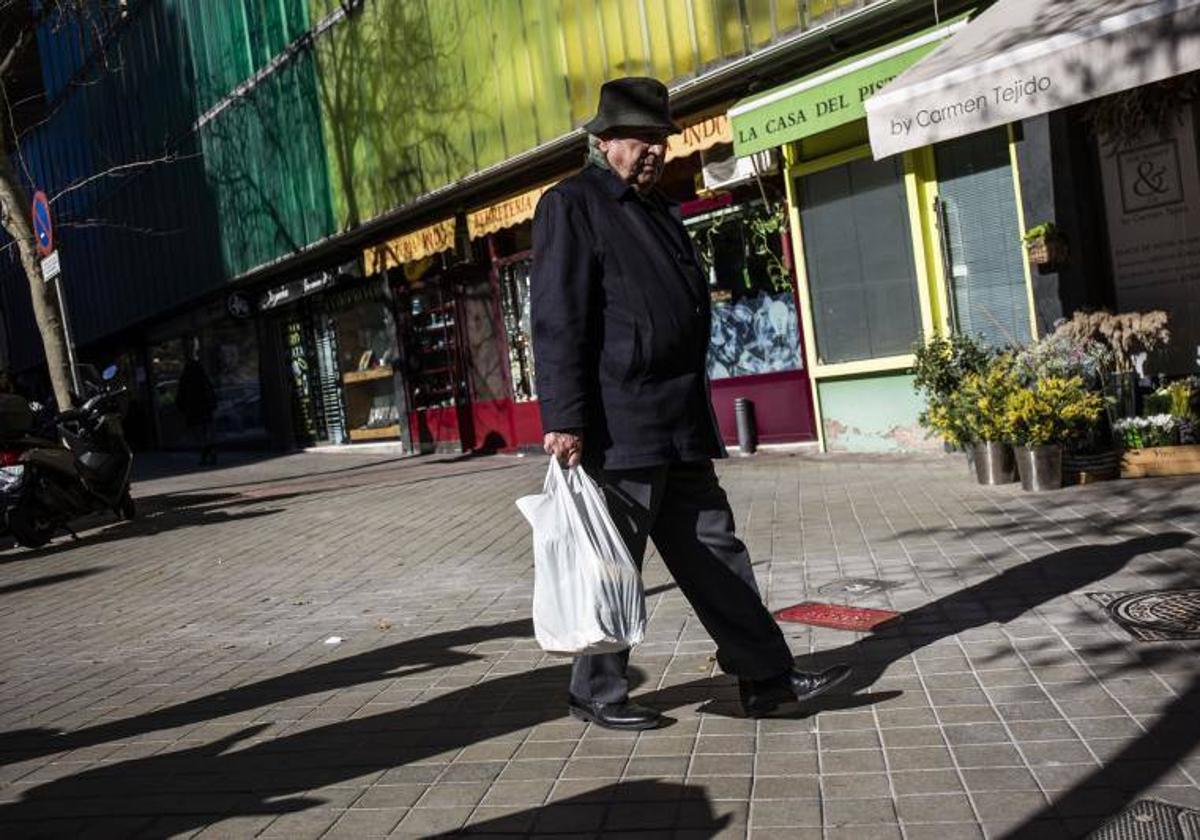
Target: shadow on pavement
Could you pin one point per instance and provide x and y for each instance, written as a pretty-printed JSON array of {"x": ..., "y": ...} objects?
[
  {"x": 188, "y": 788},
  {"x": 1000, "y": 599},
  {"x": 155, "y": 518},
  {"x": 1148, "y": 501},
  {"x": 1145, "y": 761},
  {"x": 640, "y": 806},
  {"x": 49, "y": 580},
  {"x": 381, "y": 465},
  {"x": 401, "y": 659}
]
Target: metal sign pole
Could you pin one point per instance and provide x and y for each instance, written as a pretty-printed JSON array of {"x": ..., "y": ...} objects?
[{"x": 66, "y": 325}]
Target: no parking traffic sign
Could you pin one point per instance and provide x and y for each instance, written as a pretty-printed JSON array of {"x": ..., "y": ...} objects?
[{"x": 43, "y": 231}]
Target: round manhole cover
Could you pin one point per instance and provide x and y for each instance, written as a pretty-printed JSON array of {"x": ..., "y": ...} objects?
[{"x": 1168, "y": 611}]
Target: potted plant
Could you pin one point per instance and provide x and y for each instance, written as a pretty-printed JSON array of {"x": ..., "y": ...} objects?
[
  {"x": 939, "y": 367},
  {"x": 1040, "y": 419},
  {"x": 983, "y": 398},
  {"x": 1091, "y": 455},
  {"x": 1045, "y": 246}
]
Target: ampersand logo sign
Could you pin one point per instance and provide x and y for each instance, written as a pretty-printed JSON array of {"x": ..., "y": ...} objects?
[{"x": 1151, "y": 179}]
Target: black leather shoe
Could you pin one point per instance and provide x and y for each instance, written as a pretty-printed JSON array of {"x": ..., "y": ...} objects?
[
  {"x": 761, "y": 697},
  {"x": 627, "y": 716}
]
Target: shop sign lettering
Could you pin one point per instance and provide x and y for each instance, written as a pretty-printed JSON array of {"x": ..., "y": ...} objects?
[
  {"x": 783, "y": 117},
  {"x": 973, "y": 107},
  {"x": 297, "y": 289},
  {"x": 410, "y": 247},
  {"x": 511, "y": 211},
  {"x": 700, "y": 137}
]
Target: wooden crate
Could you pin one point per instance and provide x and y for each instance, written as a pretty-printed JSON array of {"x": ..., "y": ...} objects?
[
  {"x": 1161, "y": 461},
  {"x": 381, "y": 433},
  {"x": 350, "y": 377}
]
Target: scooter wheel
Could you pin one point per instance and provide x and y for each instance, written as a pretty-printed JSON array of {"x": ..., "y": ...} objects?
[
  {"x": 26, "y": 530},
  {"x": 128, "y": 508}
]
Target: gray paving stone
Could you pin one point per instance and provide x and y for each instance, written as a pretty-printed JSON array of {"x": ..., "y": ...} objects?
[{"x": 773, "y": 813}]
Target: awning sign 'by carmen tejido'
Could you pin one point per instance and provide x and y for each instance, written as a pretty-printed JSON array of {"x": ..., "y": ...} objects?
[{"x": 1022, "y": 58}]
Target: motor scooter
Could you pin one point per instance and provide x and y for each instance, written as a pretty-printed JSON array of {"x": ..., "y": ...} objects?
[{"x": 48, "y": 479}]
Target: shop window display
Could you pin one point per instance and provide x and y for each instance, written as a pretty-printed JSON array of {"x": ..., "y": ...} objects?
[
  {"x": 514, "y": 303},
  {"x": 432, "y": 346},
  {"x": 365, "y": 334},
  {"x": 755, "y": 328}
]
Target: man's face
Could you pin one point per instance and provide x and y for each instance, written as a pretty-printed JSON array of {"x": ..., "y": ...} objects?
[{"x": 637, "y": 155}]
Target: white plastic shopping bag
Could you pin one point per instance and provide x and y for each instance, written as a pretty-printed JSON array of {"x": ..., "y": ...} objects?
[{"x": 587, "y": 592}]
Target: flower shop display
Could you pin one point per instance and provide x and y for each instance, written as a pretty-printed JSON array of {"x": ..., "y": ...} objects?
[
  {"x": 1166, "y": 442},
  {"x": 1040, "y": 418},
  {"x": 1131, "y": 337},
  {"x": 1064, "y": 403}
]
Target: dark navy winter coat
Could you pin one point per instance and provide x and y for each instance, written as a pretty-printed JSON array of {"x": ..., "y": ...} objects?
[{"x": 620, "y": 325}]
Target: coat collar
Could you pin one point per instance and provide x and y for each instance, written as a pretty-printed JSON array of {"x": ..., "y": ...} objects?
[{"x": 615, "y": 187}]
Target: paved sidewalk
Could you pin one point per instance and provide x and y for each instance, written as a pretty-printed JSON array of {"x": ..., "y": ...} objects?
[{"x": 171, "y": 676}]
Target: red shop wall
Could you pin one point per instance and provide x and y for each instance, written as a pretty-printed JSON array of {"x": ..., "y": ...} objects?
[
  {"x": 782, "y": 409},
  {"x": 782, "y": 406}
]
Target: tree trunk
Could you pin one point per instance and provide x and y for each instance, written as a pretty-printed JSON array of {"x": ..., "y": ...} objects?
[{"x": 14, "y": 217}]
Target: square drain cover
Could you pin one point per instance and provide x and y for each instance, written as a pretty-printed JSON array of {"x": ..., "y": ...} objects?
[{"x": 837, "y": 616}]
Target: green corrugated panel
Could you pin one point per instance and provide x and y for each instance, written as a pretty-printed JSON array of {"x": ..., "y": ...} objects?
[
  {"x": 418, "y": 93},
  {"x": 233, "y": 39},
  {"x": 542, "y": 34},
  {"x": 265, "y": 160},
  {"x": 448, "y": 152}
]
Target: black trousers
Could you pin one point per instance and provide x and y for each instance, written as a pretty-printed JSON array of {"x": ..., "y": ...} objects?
[{"x": 684, "y": 510}]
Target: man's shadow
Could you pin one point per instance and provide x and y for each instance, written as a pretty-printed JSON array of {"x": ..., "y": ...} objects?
[
  {"x": 999, "y": 599},
  {"x": 186, "y": 789}
]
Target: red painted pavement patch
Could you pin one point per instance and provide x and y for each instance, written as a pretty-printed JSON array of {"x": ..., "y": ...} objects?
[{"x": 837, "y": 616}]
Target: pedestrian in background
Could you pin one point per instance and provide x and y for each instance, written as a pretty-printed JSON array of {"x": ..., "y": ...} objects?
[
  {"x": 197, "y": 402},
  {"x": 621, "y": 326}
]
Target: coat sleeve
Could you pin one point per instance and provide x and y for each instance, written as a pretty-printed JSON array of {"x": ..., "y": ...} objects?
[{"x": 563, "y": 284}]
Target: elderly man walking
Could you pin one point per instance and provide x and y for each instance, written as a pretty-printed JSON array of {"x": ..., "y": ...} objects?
[{"x": 620, "y": 338}]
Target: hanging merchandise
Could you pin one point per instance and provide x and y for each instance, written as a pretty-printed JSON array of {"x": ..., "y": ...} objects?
[{"x": 329, "y": 379}]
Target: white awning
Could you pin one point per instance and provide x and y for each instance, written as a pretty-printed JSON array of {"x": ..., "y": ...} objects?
[{"x": 1022, "y": 58}]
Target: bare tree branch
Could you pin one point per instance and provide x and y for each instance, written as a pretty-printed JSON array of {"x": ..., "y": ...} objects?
[
  {"x": 17, "y": 46},
  {"x": 104, "y": 223},
  {"x": 12, "y": 127},
  {"x": 116, "y": 171}
]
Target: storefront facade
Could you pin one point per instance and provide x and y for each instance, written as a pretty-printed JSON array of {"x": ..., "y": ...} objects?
[
  {"x": 890, "y": 251},
  {"x": 1103, "y": 95},
  {"x": 463, "y": 317}
]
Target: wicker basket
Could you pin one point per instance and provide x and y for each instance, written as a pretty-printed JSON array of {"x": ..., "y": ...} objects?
[{"x": 1047, "y": 250}]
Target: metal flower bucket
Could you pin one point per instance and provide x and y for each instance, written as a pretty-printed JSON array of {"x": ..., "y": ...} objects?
[
  {"x": 994, "y": 463},
  {"x": 1040, "y": 467}
]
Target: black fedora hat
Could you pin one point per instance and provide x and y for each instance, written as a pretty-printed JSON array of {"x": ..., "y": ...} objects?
[{"x": 633, "y": 102}]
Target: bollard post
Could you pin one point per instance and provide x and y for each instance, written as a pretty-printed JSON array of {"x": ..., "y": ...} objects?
[{"x": 747, "y": 432}]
